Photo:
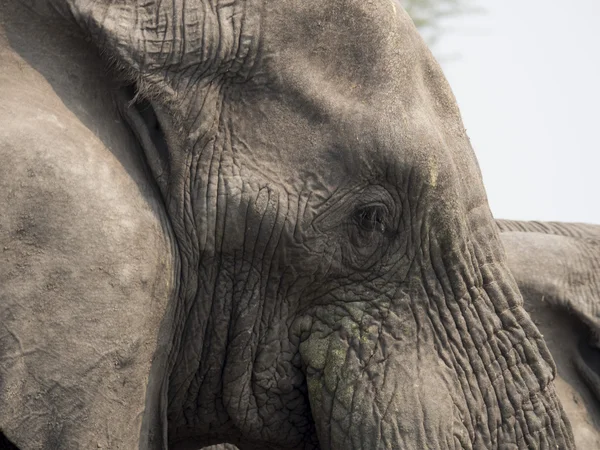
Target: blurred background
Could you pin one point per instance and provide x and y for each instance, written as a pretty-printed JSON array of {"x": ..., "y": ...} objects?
[{"x": 526, "y": 75}]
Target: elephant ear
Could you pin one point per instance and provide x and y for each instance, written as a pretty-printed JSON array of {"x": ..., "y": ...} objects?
[
  {"x": 573, "y": 273},
  {"x": 170, "y": 52}
]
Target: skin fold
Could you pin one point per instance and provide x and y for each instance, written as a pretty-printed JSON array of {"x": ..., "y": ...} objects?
[{"x": 253, "y": 222}]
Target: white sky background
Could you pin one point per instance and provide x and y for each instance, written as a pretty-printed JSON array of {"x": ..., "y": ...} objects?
[{"x": 526, "y": 75}]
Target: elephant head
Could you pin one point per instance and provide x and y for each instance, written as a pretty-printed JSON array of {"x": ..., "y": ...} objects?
[{"x": 341, "y": 281}]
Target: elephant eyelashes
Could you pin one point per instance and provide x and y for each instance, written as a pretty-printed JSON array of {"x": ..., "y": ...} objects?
[
  {"x": 368, "y": 232},
  {"x": 371, "y": 218},
  {"x": 370, "y": 224}
]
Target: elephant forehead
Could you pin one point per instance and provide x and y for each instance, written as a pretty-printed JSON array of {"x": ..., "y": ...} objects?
[
  {"x": 349, "y": 82},
  {"x": 370, "y": 48},
  {"x": 353, "y": 29}
]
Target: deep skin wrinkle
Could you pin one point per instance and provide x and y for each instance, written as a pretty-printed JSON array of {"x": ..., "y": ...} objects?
[{"x": 340, "y": 279}]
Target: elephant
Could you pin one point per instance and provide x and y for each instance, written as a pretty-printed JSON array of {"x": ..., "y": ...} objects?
[
  {"x": 557, "y": 268},
  {"x": 250, "y": 222}
]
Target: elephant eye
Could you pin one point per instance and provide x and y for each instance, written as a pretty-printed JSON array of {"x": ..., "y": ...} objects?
[
  {"x": 370, "y": 234},
  {"x": 371, "y": 218}
]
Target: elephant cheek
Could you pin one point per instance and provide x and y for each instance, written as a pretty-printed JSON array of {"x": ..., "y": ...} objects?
[{"x": 402, "y": 402}]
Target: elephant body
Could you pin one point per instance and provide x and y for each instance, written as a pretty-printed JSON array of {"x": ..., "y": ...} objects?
[{"x": 262, "y": 223}]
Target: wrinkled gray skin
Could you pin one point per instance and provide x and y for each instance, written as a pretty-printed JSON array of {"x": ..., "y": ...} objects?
[
  {"x": 557, "y": 268},
  {"x": 292, "y": 249}
]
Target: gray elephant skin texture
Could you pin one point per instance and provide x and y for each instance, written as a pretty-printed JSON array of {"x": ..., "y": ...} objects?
[{"x": 263, "y": 223}]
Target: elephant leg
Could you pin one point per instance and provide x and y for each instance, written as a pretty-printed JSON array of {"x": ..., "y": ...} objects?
[{"x": 86, "y": 271}]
